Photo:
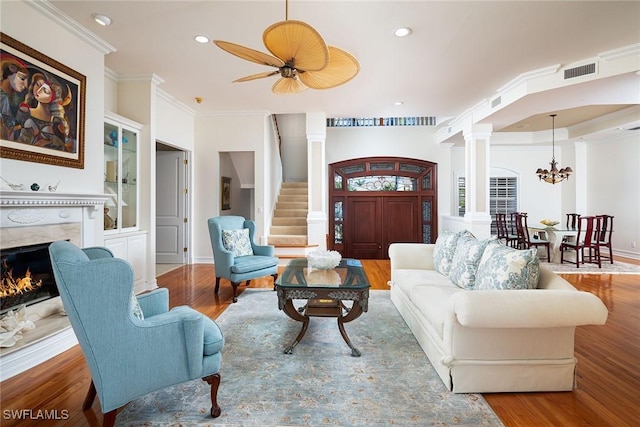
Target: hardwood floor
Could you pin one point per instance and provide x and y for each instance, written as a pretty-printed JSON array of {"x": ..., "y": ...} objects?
[{"x": 608, "y": 377}]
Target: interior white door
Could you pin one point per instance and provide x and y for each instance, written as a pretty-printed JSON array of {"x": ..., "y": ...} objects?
[{"x": 170, "y": 207}]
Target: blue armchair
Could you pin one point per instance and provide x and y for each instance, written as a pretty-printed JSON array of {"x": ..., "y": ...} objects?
[
  {"x": 259, "y": 261},
  {"x": 129, "y": 353}
]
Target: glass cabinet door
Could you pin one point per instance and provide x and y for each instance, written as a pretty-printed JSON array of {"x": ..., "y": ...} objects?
[
  {"x": 120, "y": 176},
  {"x": 129, "y": 178}
]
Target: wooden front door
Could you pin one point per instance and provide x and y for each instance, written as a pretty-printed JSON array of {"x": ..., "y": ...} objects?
[
  {"x": 365, "y": 228},
  {"x": 379, "y": 201}
]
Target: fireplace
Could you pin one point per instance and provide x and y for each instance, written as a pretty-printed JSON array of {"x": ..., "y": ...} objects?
[
  {"x": 29, "y": 222},
  {"x": 27, "y": 276}
]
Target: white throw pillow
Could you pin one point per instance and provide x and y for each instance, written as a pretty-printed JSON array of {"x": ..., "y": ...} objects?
[{"x": 237, "y": 241}]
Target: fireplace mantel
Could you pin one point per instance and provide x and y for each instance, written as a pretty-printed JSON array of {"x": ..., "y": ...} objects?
[
  {"x": 36, "y": 216},
  {"x": 42, "y": 199}
]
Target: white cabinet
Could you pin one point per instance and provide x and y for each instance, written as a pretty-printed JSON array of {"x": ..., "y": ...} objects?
[
  {"x": 122, "y": 232},
  {"x": 132, "y": 248},
  {"x": 121, "y": 160}
]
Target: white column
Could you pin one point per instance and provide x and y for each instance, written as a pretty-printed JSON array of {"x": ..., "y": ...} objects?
[
  {"x": 477, "y": 159},
  {"x": 317, "y": 179},
  {"x": 580, "y": 177}
]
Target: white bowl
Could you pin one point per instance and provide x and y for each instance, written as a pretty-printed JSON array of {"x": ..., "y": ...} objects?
[{"x": 324, "y": 260}]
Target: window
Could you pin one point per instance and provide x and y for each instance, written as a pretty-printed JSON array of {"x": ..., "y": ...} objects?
[{"x": 503, "y": 196}]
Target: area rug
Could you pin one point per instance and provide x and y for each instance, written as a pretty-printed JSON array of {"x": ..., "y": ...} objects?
[
  {"x": 607, "y": 268},
  {"x": 320, "y": 384}
]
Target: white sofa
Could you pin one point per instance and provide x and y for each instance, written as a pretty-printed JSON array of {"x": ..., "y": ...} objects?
[{"x": 483, "y": 341}]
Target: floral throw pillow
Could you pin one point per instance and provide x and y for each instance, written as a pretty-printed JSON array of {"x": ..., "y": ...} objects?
[
  {"x": 237, "y": 241},
  {"x": 445, "y": 249},
  {"x": 466, "y": 259},
  {"x": 502, "y": 267},
  {"x": 136, "y": 309}
]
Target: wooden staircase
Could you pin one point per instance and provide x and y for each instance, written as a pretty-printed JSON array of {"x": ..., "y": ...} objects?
[{"x": 288, "y": 232}]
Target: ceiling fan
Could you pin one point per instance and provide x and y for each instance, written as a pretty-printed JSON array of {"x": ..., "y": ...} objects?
[{"x": 301, "y": 56}]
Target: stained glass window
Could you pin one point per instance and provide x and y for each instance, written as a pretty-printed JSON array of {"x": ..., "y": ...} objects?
[{"x": 382, "y": 183}]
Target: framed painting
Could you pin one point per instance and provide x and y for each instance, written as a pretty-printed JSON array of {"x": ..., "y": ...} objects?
[
  {"x": 42, "y": 103},
  {"x": 225, "y": 193}
]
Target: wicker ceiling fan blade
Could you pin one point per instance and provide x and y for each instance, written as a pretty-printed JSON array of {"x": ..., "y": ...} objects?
[
  {"x": 287, "y": 86},
  {"x": 342, "y": 68},
  {"x": 249, "y": 54},
  {"x": 298, "y": 44},
  {"x": 257, "y": 76}
]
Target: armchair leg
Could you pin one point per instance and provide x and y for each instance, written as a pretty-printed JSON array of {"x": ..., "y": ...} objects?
[
  {"x": 235, "y": 290},
  {"x": 109, "y": 419},
  {"x": 91, "y": 395},
  {"x": 217, "y": 285},
  {"x": 214, "y": 382}
]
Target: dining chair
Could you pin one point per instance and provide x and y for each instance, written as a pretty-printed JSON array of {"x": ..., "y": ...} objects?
[
  {"x": 603, "y": 238},
  {"x": 589, "y": 228},
  {"x": 512, "y": 223},
  {"x": 572, "y": 221},
  {"x": 524, "y": 239},
  {"x": 502, "y": 228}
]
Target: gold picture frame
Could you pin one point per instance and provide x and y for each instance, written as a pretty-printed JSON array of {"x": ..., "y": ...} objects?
[
  {"x": 225, "y": 193},
  {"x": 43, "y": 117}
]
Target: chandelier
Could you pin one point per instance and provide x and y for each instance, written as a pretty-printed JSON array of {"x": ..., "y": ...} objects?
[{"x": 553, "y": 175}]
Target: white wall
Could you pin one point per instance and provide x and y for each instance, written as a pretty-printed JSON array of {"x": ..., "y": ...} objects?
[
  {"x": 610, "y": 180},
  {"x": 215, "y": 134},
  {"x": 292, "y": 128},
  {"x": 416, "y": 142},
  {"x": 174, "y": 122},
  {"x": 613, "y": 185},
  {"x": 539, "y": 199},
  {"x": 63, "y": 46}
]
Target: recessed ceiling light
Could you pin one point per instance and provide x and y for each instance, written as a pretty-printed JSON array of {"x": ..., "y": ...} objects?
[
  {"x": 402, "y": 32},
  {"x": 398, "y": 103},
  {"x": 201, "y": 39},
  {"x": 103, "y": 20}
]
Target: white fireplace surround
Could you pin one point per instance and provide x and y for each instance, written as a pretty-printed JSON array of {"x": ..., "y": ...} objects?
[{"x": 28, "y": 218}]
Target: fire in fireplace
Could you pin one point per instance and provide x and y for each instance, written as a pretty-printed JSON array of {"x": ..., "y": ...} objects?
[{"x": 27, "y": 276}]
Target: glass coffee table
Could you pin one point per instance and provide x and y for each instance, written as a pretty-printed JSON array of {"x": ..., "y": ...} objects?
[{"x": 325, "y": 293}]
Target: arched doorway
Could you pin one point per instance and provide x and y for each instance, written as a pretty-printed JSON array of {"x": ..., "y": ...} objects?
[{"x": 376, "y": 201}]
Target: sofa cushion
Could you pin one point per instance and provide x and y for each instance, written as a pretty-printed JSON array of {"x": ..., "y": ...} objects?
[
  {"x": 502, "y": 267},
  {"x": 213, "y": 338},
  {"x": 237, "y": 241},
  {"x": 406, "y": 279},
  {"x": 247, "y": 264},
  {"x": 445, "y": 249},
  {"x": 465, "y": 260},
  {"x": 433, "y": 303}
]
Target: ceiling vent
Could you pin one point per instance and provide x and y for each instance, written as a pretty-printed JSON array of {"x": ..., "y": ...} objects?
[
  {"x": 582, "y": 70},
  {"x": 496, "y": 101}
]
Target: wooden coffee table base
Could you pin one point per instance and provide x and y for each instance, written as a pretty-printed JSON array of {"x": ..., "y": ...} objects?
[{"x": 323, "y": 303}]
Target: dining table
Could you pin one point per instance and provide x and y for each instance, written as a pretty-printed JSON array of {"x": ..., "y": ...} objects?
[{"x": 555, "y": 236}]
